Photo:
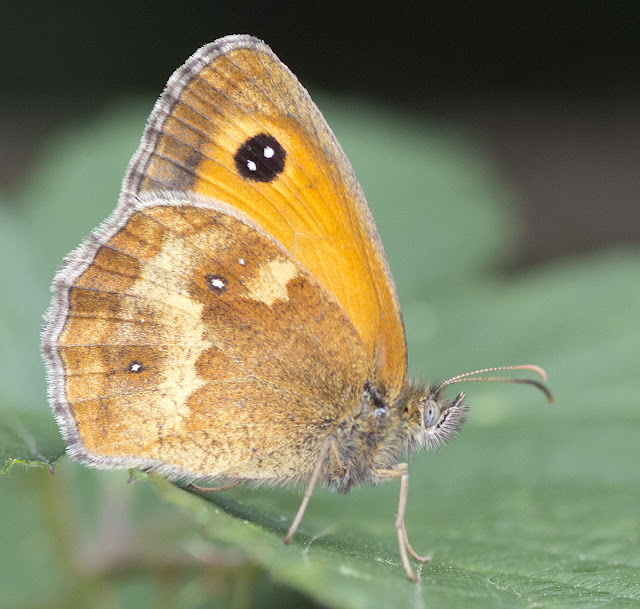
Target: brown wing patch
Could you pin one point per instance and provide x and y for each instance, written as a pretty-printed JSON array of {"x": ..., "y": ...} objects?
[{"x": 176, "y": 347}]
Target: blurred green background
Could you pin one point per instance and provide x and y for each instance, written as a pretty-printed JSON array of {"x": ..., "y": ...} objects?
[{"x": 499, "y": 150}]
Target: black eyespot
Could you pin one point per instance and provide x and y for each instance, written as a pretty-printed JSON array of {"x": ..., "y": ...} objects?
[
  {"x": 260, "y": 158},
  {"x": 135, "y": 366},
  {"x": 216, "y": 283}
]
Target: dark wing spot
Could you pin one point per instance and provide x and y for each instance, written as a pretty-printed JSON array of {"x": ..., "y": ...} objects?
[{"x": 260, "y": 158}]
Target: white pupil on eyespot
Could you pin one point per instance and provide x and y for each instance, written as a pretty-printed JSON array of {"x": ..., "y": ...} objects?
[
  {"x": 251, "y": 166},
  {"x": 268, "y": 152},
  {"x": 217, "y": 283}
]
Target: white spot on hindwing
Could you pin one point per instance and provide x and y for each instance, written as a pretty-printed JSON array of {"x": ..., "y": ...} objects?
[{"x": 217, "y": 283}]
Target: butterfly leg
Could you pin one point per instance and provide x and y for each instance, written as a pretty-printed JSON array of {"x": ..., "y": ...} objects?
[
  {"x": 215, "y": 489},
  {"x": 327, "y": 445},
  {"x": 401, "y": 471}
]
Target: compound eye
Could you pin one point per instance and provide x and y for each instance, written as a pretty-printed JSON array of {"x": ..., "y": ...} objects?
[{"x": 430, "y": 413}]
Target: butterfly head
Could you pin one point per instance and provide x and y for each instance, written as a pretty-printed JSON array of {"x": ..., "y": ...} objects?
[
  {"x": 435, "y": 420},
  {"x": 439, "y": 419}
]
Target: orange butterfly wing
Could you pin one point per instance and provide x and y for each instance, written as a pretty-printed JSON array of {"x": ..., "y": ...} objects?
[
  {"x": 231, "y": 91},
  {"x": 192, "y": 344}
]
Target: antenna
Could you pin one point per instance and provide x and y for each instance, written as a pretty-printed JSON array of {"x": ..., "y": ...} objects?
[{"x": 469, "y": 377}]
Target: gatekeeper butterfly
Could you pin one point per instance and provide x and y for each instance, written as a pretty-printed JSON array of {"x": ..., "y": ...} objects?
[{"x": 234, "y": 319}]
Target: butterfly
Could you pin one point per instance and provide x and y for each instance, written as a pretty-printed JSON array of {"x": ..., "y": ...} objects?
[{"x": 235, "y": 319}]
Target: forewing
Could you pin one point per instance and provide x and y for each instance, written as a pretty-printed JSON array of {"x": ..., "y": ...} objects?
[{"x": 230, "y": 92}]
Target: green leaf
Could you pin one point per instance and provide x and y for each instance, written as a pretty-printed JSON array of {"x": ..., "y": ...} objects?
[
  {"x": 533, "y": 506},
  {"x": 28, "y": 439}
]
